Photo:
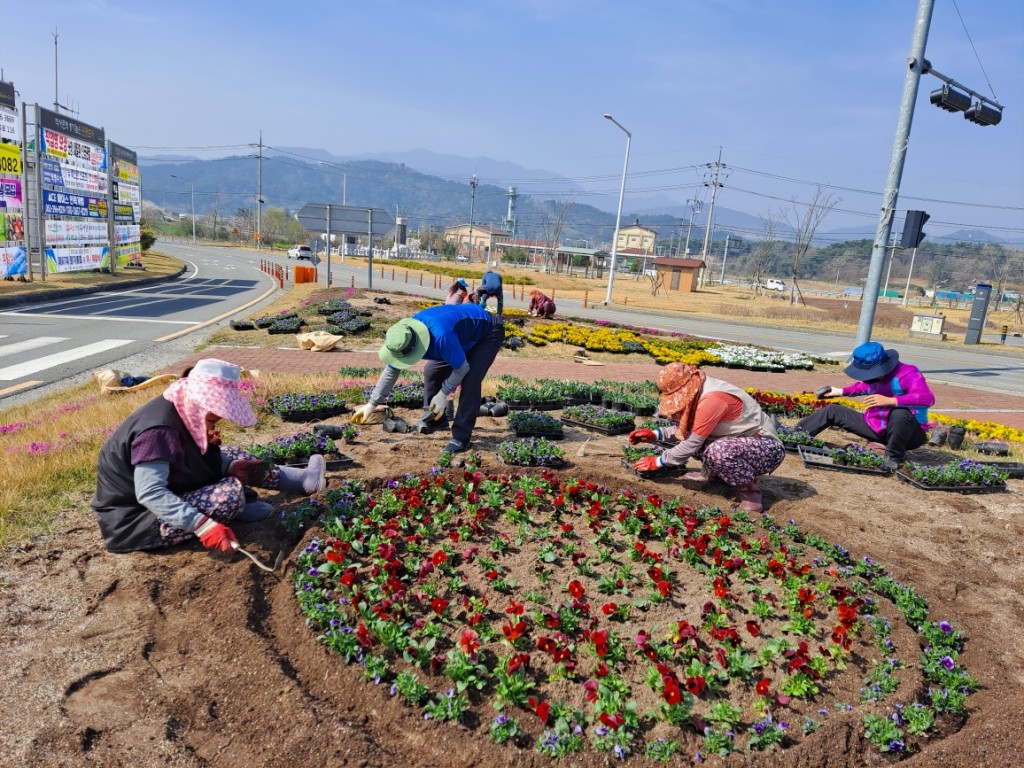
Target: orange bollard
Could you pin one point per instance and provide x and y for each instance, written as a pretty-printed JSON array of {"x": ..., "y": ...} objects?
[
  {"x": 552, "y": 294},
  {"x": 392, "y": 273},
  {"x": 381, "y": 271},
  {"x": 407, "y": 277},
  {"x": 625, "y": 300},
  {"x": 421, "y": 279},
  {"x": 585, "y": 295}
]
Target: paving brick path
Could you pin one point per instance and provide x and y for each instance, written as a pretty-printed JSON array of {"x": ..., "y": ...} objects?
[{"x": 957, "y": 402}]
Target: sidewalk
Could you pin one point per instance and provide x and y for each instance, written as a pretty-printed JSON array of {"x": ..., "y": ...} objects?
[{"x": 952, "y": 401}]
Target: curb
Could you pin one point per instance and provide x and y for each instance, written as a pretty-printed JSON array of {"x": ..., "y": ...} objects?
[{"x": 61, "y": 293}]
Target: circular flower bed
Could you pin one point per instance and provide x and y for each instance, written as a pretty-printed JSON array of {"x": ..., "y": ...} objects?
[{"x": 628, "y": 624}]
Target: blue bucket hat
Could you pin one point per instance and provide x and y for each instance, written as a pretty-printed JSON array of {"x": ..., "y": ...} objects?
[{"x": 871, "y": 361}]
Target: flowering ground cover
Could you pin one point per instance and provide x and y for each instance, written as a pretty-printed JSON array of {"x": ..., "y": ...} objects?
[{"x": 622, "y": 623}]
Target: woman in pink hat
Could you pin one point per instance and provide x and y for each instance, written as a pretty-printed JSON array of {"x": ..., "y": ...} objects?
[
  {"x": 718, "y": 423},
  {"x": 163, "y": 477}
]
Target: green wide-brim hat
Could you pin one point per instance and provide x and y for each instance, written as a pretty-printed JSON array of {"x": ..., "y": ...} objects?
[{"x": 405, "y": 343}]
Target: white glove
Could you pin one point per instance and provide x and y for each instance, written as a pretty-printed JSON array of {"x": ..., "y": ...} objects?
[
  {"x": 362, "y": 413},
  {"x": 438, "y": 403},
  {"x": 835, "y": 392}
]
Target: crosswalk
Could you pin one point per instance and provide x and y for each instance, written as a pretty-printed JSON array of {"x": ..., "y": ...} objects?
[{"x": 33, "y": 364}]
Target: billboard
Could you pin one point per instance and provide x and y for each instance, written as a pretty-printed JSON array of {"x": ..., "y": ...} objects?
[
  {"x": 126, "y": 196},
  {"x": 13, "y": 255}
]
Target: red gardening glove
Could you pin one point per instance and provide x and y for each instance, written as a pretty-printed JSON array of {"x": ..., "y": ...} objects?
[
  {"x": 642, "y": 436},
  {"x": 217, "y": 536},
  {"x": 647, "y": 463},
  {"x": 249, "y": 471}
]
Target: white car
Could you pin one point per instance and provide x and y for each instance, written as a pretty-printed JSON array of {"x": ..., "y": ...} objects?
[
  {"x": 300, "y": 252},
  {"x": 775, "y": 285}
]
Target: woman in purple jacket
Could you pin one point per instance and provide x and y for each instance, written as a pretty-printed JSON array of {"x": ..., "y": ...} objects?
[{"x": 897, "y": 397}]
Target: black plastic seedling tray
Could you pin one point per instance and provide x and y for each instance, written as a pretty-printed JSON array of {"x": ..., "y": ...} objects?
[
  {"x": 819, "y": 458},
  {"x": 951, "y": 488}
]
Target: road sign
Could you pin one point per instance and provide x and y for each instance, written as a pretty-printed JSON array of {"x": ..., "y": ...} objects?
[
  {"x": 314, "y": 259},
  {"x": 348, "y": 219}
]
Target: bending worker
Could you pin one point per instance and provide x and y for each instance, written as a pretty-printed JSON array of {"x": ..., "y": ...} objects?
[
  {"x": 460, "y": 342},
  {"x": 718, "y": 423},
  {"x": 541, "y": 305},
  {"x": 490, "y": 285},
  {"x": 163, "y": 476},
  {"x": 897, "y": 397}
]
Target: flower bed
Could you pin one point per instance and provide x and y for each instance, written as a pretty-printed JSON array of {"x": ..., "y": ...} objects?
[
  {"x": 796, "y": 406},
  {"x": 959, "y": 475},
  {"x": 531, "y": 452},
  {"x": 852, "y": 458},
  {"x": 577, "y": 613},
  {"x": 294, "y": 449},
  {"x": 535, "y": 424},
  {"x": 792, "y": 438},
  {"x": 405, "y": 394},
  {"x": 599, "y": 419},
  {"x": 242, "y": 325},
  {"x": 307, "y": 407},
  {"x": 286, "y": 325}
]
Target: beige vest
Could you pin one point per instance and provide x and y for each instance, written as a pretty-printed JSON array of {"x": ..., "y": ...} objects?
[{"x": 752, "y": 420}]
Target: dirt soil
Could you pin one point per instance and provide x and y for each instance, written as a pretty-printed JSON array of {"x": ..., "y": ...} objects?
[{"x": 182, "y": 658}]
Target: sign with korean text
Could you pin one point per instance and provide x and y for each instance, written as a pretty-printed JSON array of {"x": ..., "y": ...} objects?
[
  {"x": 76, "y": 259},
  {"x": 13, "y": 261},
  {"x": 10, "y": 125},
  {"x": 71, "y": 177},
  {"x": 10, "y": 160},
  {"x": 67, "y": 204},
  {"x": 61, "y": 231}
]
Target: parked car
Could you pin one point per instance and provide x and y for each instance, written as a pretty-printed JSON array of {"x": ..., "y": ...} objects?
[
  {"x": 775, "y": 285},
  {"x": 300, "y": 252}
]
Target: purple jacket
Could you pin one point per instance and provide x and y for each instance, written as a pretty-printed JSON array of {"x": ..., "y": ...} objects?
[{"x": 906, "y": 384}]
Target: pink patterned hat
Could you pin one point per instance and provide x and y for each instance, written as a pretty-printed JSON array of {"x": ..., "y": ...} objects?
[{"x": 210, "y": 387}]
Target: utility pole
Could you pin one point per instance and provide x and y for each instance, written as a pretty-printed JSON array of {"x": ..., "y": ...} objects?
[
  {"x": 472, "y": 204},
  {"x": 259, "y": 199},
  {"x": 915, "y": 66},
  {"x": 695, "y": 207},
  {"x": 711, "y": 212}
]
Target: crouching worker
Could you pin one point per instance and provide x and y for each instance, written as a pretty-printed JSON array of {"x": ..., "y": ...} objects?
[
  {"x": 541, "y": 305},
  {"x": 164, "y": 478},
  {"x": 459, "y": 342},
  {"x": 718, "y": 423}
]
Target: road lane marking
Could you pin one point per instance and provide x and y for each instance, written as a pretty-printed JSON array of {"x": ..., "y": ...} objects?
[
  {"x": 24, "y": 346},
  {"x": 104, "y": 318},
  {"x": 235, "y": 311},
  {"x": 49, "y": 361},
  {"x": 19, "y": 387}
]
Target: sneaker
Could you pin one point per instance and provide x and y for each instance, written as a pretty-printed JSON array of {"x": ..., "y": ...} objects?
[
  {"x": 891, "y": 464},
  {"x": 456, "y": 446}
]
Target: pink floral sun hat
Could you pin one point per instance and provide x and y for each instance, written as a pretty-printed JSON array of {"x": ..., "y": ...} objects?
[{"x": 212, "y": 386}]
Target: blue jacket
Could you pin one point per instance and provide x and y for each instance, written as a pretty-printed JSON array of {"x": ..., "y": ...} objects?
[
  {"x": 454, "y": 330},
  {"x": 490, "y": 285}
]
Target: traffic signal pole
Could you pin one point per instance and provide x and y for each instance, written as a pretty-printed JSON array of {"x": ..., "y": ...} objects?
[{"x": 911, "y": 83}]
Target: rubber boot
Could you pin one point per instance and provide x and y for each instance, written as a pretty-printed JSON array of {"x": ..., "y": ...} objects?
[
  {"x": 256, "y": 512},
  {"x": 449, "y": 410},
  {"x": 312, "y": 479},
  {"x": 750, "y": 497}
]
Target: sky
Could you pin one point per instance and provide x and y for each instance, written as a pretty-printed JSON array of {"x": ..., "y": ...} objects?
[{"x": 792, "y": 94}]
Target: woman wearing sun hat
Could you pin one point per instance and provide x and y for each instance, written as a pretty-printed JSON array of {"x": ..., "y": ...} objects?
[
  {"x": 718, "y": 423},
  {"x": 459, "y": 342},
  {"x": 163, "y": 477},
  {"x": 458, "y": 292},
  {"x": 897, "y": 396}
]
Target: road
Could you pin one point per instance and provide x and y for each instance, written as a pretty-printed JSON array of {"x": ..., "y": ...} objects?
[{"x": 46, "y": 344}]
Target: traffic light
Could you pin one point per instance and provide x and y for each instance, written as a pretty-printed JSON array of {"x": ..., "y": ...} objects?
[
  {"x": 950, "y": 100},
  {"x": 912, "y": 234},
  {"x": 982, "y": 114}
]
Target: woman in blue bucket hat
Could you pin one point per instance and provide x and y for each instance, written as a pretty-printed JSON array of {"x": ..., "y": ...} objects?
[{"x": 897, "y": 397}]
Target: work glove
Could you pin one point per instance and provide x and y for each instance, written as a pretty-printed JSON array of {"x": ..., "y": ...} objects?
[
  {"x": 217, "y": 536},
  {"x": 648, "y": 464},
  {"x": 249, "y": 471},
  {"x": 362, "y": 413},
  {"x": 834, "y": 392},
  {"x": 437, "y": 404},
  {"x": 642, "y": 436}
]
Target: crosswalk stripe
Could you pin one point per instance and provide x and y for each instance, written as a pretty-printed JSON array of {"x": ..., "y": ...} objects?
[
  {"x": 49, "y": 361},
  {"x": 25, "y": 346}
]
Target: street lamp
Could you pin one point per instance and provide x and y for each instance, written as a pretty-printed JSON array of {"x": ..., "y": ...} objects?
[
  {"x": 192, "y": 187},
  {"x": 618, "y": 215},
  {"x": 344, "y": 181},
  {"x": 472, "y": 204}
]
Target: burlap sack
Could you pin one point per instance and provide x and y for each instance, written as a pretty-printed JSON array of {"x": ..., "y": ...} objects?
[
  {"x": 380, "y": 413},
  {"x": 317, "y": 341},
  {"x": 110, "y": 381}
]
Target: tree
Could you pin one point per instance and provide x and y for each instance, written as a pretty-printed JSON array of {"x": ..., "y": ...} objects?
[
  {"x": 146, "y": 238},
  {"x": 553, "y": 225},
  {"x": 804, "y": 223},
  {"x": 761, "y": 252}
]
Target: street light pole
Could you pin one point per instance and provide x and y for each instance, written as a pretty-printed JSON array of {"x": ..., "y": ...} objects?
[
  {"x": 696, "y": 206},
  {"x": 472, "y": 205},
  {"x": 192, "y": 188},
  {"x": 618, "y": 214}
]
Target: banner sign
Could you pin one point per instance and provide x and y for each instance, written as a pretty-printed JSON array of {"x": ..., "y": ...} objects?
[
  {"x": 72, "y": 151},
  {"x": 127, "y": 233},
  {"x": 12, "y": 225},
  {"x": 117, "y": 152},
  {"x": 10, "y": 194},
  {"x": 76, "y": 259},
  {"x": 65, "y": 204},
  {"x": 13, "y": 261},
  {"x": 129, "y": 253},
  {"x": 75, "y": 231},
  {"x": 10, "y": 159},
  {"x": 10, "y": 129},
  {"x": 86, "y": 180},
  {"x": 70, "y": 127},
  {"x": 124, "y": 213},
  {"x": 8, "y": 99}
]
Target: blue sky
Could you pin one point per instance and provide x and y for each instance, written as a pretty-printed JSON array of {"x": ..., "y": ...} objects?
[{"x": 806, "y": 90}]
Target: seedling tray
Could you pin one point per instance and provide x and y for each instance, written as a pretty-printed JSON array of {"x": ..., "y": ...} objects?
[
  {"x": 334, "y": 461},
  {"x": 556, "y": 464},
  {"x": 623, "y": 430},
  {"x": 1014, "y": 469},
  {"x": 664, "y": 472},
  {"x": 549, "y": 405},
  {"x": 951, "y": 488},
  {"x": 559, "y": 435},
  {"x": 304, "y": 417},
  {"x": 818, "y": 458}
]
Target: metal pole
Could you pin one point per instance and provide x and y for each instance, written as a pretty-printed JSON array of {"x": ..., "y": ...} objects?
[
  {"x": 344, "y": 187},
  {"x": 725, "y": 255},
  {"x": 906, "y": 293},
  {"x": 328, "y": 245},
  {"x": 192, "y": 185},
  {"x": 695, "y": 207},
  {"x": 711, "y": 213},
  {"x": 259, "y": 195},
  {"x": 472, "y": 205},
  {"x": 618, "y": 213},
  {"x": 899, "y": 153},
  {"x": 369, "y": 248}
]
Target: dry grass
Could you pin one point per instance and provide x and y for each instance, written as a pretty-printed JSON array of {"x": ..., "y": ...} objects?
[{"x": 157, "y": 265}]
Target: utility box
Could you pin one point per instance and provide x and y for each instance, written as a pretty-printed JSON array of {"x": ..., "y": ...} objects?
[
  {"x": 928, "y": 327},
  {"x": 979, "y": 310}
]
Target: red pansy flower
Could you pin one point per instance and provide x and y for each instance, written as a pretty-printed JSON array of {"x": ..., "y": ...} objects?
[
  {"x": 438, "y": 604},
  {"x": 576, "y": 589}
]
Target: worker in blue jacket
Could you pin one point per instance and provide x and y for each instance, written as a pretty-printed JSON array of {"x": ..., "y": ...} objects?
[
  {"x": 459, "y": 343},
  {"x": 490, "y": 285}
]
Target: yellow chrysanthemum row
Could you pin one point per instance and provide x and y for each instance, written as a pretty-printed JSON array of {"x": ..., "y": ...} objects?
[{"x": 986, "y": 430}]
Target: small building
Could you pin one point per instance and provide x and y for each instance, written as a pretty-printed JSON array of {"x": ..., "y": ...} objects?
[
  {"x": 637, "y": 238},
  {"x": 678, "y": 274},
  {"x": 485, "y": 240}
]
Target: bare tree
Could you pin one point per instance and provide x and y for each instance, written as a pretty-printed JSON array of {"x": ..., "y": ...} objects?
[
  {"x": 212, "y": 219},
  {"x": 761, "y": 252},
  {"x": 553, "y": 225},
  {"x": 804, "y": 223}
]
